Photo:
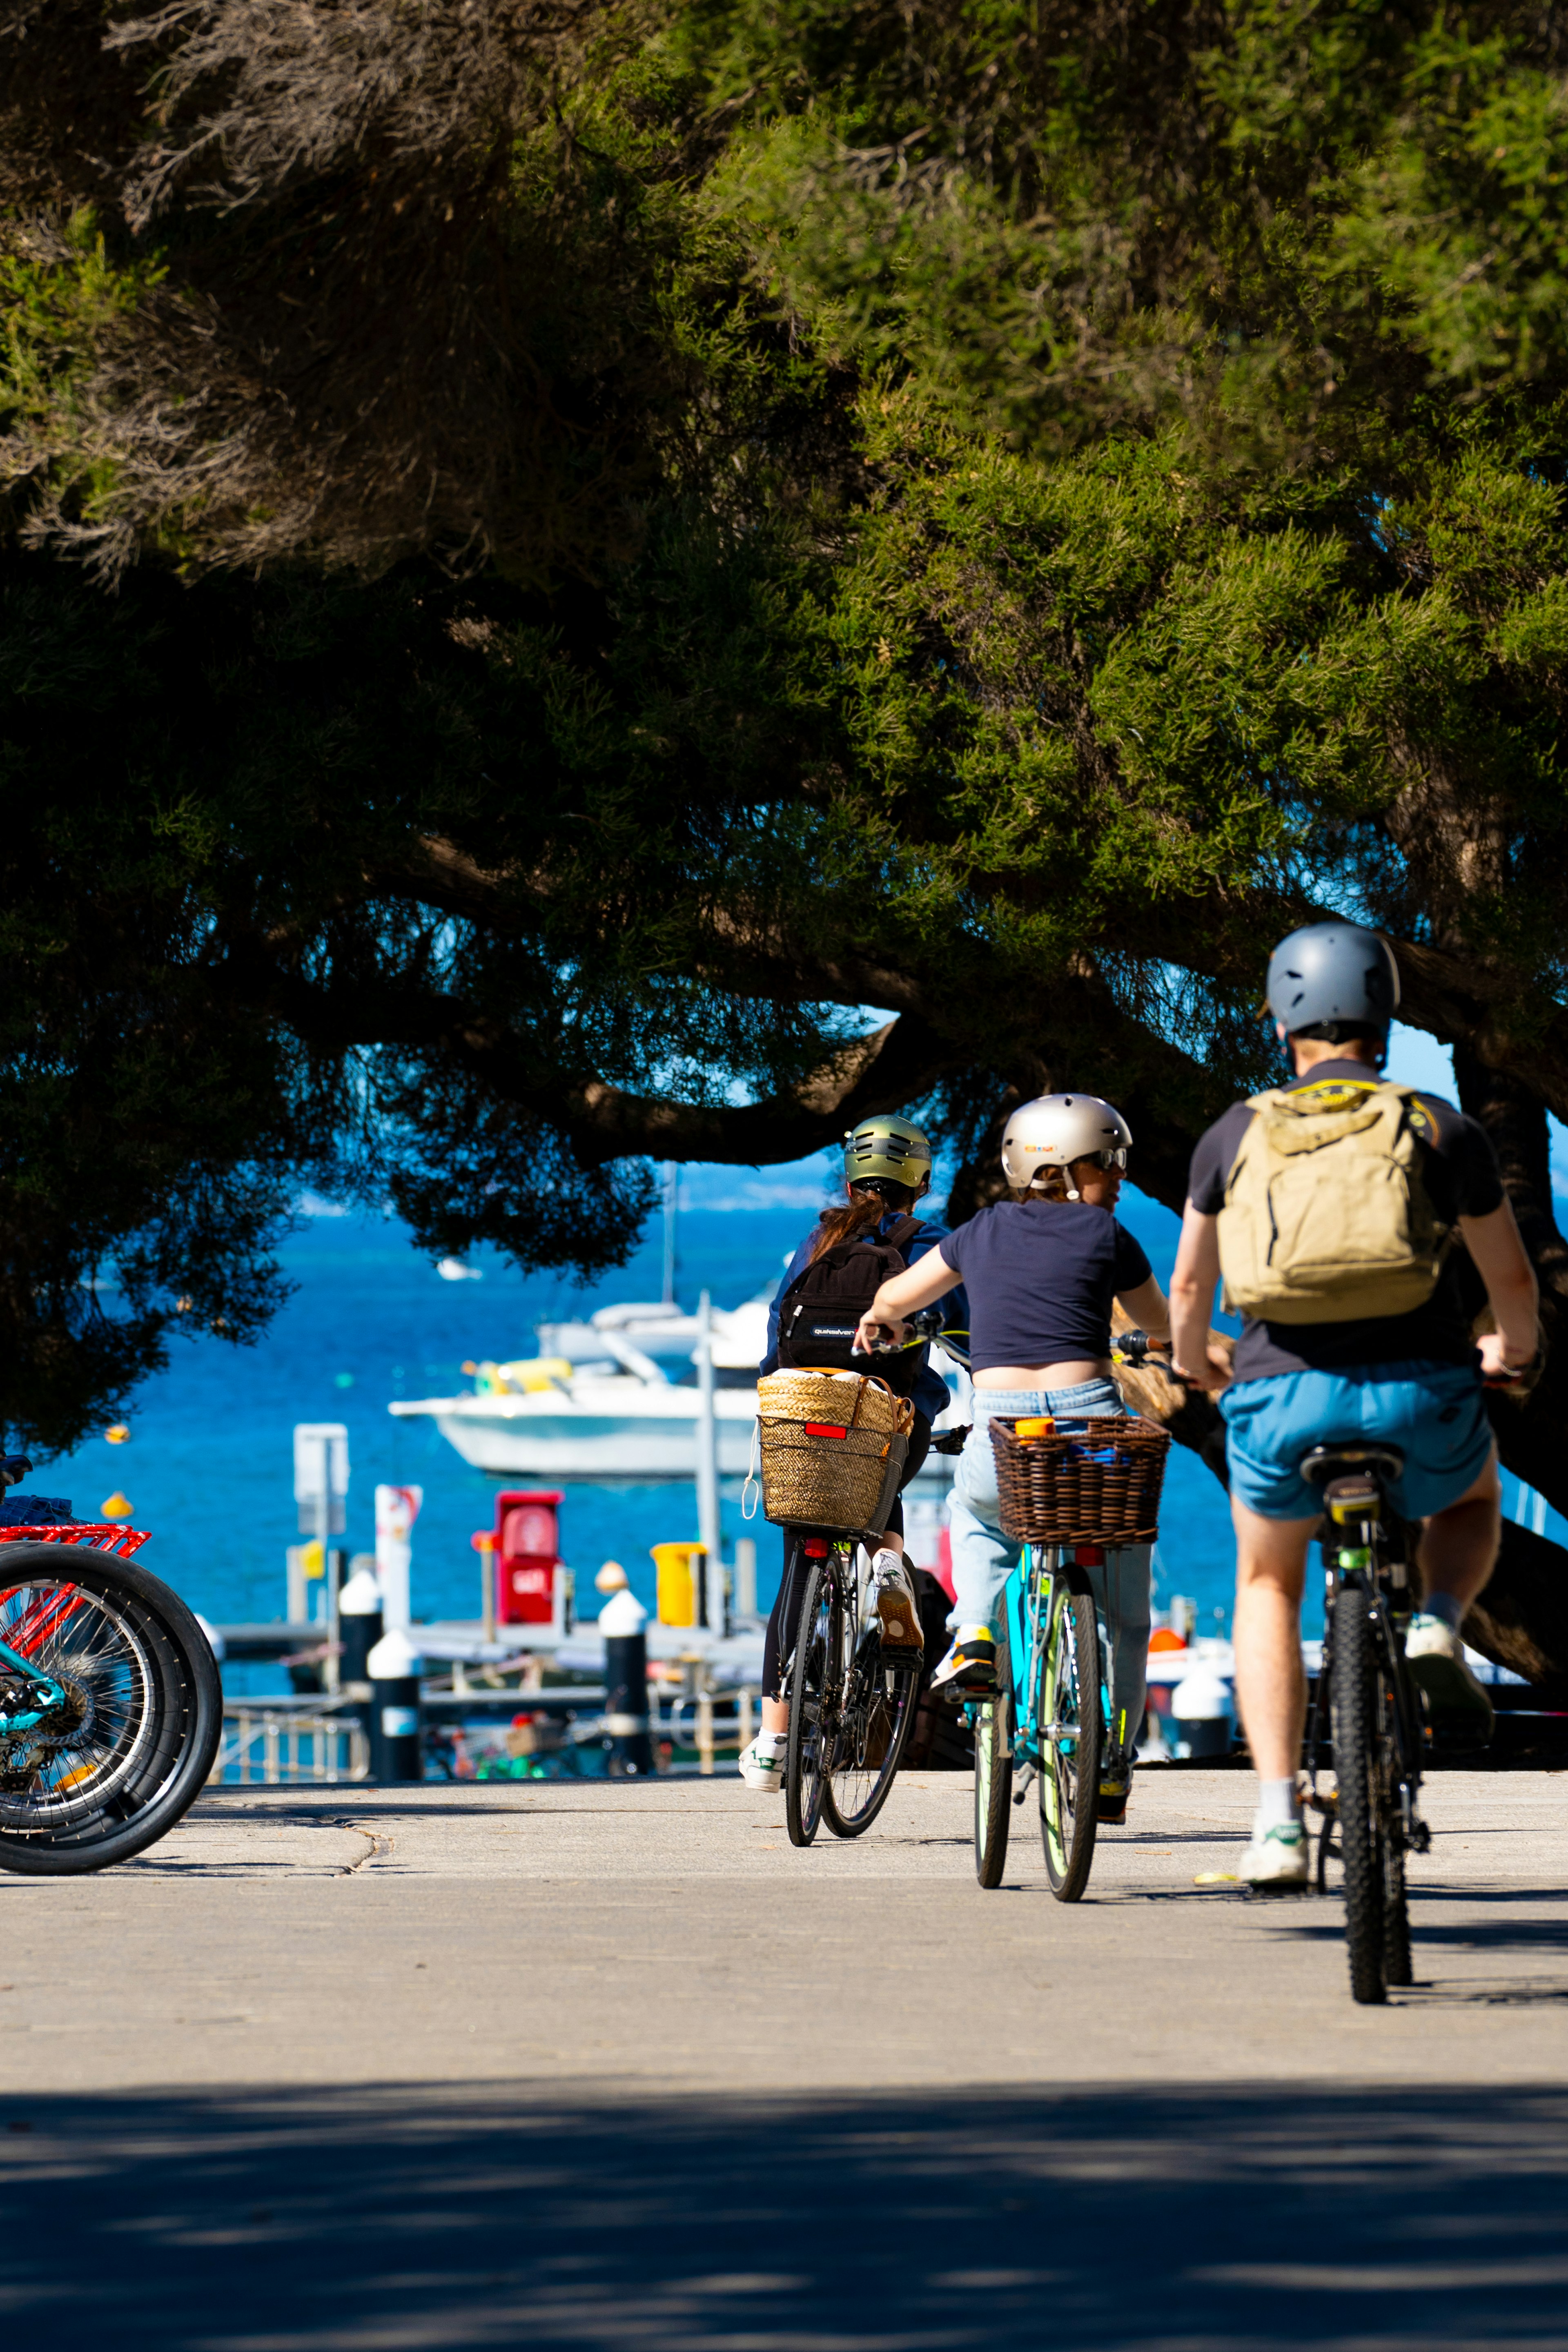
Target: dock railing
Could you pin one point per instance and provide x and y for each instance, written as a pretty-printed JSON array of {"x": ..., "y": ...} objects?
[
  {"x": 268, "y": 1746},
  {"x": 300, "y": 1742}
]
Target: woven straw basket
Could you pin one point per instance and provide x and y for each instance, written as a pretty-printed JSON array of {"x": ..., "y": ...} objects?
[
  {"x": 1100, "y": 1485},
  {"x": 833, "y": 1445}
]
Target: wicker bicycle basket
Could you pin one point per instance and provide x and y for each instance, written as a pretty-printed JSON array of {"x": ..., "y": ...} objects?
[
  {"x": 1099, "y": 1485},
  {"x": 830, "y": 1443}
]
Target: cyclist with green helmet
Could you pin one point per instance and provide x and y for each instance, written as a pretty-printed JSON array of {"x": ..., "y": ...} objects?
[{"x": 887, "y": 1171}]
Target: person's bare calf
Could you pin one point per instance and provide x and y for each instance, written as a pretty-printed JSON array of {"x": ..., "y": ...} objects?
[{"x": 1271, "y": 1689}]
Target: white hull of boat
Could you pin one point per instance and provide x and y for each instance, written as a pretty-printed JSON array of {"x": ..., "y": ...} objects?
[{"x": 627, "y": 1432}]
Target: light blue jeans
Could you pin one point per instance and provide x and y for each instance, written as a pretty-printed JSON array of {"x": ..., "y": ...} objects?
[{"x": 982, "y": 1559}]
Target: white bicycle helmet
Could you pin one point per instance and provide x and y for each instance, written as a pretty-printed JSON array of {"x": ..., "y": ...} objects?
[{"x": 1055, "y": 1130}]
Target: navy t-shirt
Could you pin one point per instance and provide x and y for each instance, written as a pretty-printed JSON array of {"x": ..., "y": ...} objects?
[
  {"x": 1460, "y": 1171},
  {"x": 1041, "y": 1275}
]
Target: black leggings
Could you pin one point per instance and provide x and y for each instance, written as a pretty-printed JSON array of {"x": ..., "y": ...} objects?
[{"x": 779, "y": 1639}]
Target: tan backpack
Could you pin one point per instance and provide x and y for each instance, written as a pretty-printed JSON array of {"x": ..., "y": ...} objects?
[{"x": 1326, "y": 1215}]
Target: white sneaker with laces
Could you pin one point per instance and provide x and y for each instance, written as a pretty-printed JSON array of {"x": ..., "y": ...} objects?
[
  {"x": 1279, "y": 1860},
  {"x": 762, "y": 1764}
]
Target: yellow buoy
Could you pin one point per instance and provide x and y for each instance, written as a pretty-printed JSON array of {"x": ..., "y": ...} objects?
[
  {"x": 120, "y": 1435},
  {"x": 117, "y": 1508}
]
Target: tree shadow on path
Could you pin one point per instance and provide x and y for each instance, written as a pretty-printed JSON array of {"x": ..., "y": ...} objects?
[{"x": 497, "y": 2215}]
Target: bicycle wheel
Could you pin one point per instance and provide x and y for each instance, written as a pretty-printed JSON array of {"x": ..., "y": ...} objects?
[
  {"x": 810, "y": 1708},
  {"x": 992, "y": 1788},
  {"x": 132, "y": 1742},
  {"x": 873, "y": 1715},
  {"x": 1071, "y": 1732},
  {"x": 1376, "y": 1924}
]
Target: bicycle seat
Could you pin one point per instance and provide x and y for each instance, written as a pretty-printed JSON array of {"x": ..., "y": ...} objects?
[
  {"x": 1321, "y": 1463},
  {"x": 1351, "y": 1477}
]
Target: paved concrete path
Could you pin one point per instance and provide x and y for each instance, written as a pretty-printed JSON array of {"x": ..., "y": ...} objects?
[{"x": 607, "y": 2066}]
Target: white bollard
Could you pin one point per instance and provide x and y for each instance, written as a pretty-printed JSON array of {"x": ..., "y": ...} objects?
[{"x": 396, "y": 1508}]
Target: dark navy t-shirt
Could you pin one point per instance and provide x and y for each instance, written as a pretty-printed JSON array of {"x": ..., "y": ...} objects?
[{"x": 1041, "y": 1275}]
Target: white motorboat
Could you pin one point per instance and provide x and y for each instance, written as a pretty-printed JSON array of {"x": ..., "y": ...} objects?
[{"x": 597, "y": 1402}]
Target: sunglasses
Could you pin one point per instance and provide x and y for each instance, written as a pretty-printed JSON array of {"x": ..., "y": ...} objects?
[{"x": 1117, "y": 1159}]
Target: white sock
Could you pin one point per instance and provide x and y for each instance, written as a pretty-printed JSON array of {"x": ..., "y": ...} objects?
[
  {"x": 1444, "y": 1606},
  {"x": 1278, "y": 1804},
  {"x": 772, "y": 1741}
]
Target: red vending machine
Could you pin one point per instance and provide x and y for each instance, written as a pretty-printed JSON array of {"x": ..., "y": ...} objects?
[{"x": 528, "y": 1558}]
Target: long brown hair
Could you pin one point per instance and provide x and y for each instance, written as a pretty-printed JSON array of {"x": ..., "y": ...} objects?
[{"x": 862, "y": 1213}]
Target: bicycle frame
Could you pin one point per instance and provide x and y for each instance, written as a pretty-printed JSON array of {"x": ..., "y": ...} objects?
[{"x": 1027, "y": 1616}]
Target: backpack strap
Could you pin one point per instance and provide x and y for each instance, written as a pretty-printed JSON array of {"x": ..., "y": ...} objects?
[{"x": 903, "y": 1233}]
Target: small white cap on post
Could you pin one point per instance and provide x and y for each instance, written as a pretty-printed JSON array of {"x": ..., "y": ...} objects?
[
  {"x": 622, "y": 1613},
  {"x": 612, "y": 1576},
  {"x": 361, "y": 1596},
  {"x": 394, "y": 1658}
]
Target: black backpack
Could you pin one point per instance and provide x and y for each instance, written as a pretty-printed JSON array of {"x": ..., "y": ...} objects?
[{"x": 820, "y": 1311}]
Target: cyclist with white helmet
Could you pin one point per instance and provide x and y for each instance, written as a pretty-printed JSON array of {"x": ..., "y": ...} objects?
[
  {"x": 812, "y": 1321},
  {"x": 1041, "y": 1271},
  {"x": 1332, "y": 1204}
]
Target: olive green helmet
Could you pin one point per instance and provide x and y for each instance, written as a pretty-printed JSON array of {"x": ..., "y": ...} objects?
[{"x": 890, "y": 1149}]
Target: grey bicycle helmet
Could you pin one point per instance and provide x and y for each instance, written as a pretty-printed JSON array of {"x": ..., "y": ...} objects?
[
  {"x": 1334, "y": 981},
  {"x": 1053, "y": 1130}
]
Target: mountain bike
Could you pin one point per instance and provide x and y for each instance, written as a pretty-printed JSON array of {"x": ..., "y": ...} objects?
[
  {"x": 111, "y": 1701},
  {"x": 850, "y": 1706},
  {"x": 1365, "y": 1718}
]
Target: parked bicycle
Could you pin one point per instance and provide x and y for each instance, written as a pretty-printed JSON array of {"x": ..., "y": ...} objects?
[
  {"x": 111, "y": 1701},
  {"x": 1071, "y": 1498},
  {"x": 1366, "y": 1719}
]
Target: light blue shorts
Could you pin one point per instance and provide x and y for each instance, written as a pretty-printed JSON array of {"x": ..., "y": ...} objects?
[{"x": 1433, "y": 1413}]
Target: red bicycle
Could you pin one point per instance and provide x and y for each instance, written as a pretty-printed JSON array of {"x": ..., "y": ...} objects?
[{"x": 110, "y": 1700}]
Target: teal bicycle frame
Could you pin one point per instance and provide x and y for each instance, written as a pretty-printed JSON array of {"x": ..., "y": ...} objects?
[{"x": 1025, "y": 1616}]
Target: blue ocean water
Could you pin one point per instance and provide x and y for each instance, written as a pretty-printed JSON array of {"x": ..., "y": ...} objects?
[{"x": 209, "y": 1466}]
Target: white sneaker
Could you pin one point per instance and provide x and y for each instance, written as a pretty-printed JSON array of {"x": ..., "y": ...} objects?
[
  {"x": 762, "y": 1765},
  {"x": 894, "y": 1598},
  {"x": 1279, "y": 1860},
  {"x": 1460, "y": 1713}
]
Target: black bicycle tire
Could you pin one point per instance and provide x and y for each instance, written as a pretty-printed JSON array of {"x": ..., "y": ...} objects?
[
  {"x": 1397, "y": 1966},
  {"x": 1353, "y": 1713},
  {"x": 992, "y": 1788},
  {"x": 191, "y": 1694},
  {"x": 1068, "y": 1872},
  {"x": 842, "y": 1824},
  {"x": 802, "y": 1820}
]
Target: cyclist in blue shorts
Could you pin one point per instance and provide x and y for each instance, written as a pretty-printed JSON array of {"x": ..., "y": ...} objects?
[{"x": 1335, "y": 1206}]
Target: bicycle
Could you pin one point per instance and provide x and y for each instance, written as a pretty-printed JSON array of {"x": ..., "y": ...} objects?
[
  {"x": 1045, "y": 1730},
  {"x": 111, "y": 1701},
  {"x": 850, "y": 1708},
  {"x": 1051, "y": 1726},
  {"x": 1372, "y": 1730}
]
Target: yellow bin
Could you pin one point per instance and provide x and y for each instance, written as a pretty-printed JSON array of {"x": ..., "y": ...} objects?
[{"x": 678, "y": 1569}]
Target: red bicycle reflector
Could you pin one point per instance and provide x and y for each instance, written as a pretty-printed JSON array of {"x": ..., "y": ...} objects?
[
  {"x": 817, "y": 1548},
  {"x": 824, "y": 1429},
  {"x": 1090, "y": 1556}
]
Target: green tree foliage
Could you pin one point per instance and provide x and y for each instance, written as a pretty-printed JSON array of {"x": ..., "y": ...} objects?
[{"x": 556, "y": 554}]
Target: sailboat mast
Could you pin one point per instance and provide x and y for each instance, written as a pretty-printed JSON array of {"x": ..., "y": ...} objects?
[{"x": 671, "y": 1211}]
